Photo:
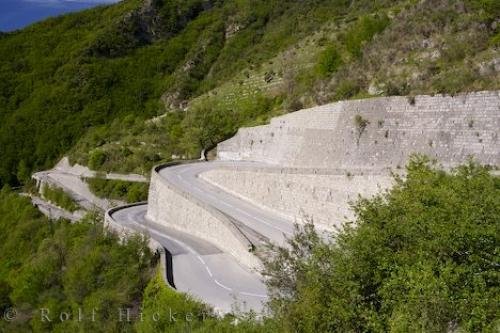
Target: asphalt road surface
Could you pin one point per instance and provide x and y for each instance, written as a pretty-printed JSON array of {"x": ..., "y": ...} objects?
[
  {"x": 264, "y": 222},
  {"x": 200, "y": 268}
]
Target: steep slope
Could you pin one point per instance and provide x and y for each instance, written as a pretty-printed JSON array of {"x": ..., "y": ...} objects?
[
  {"x": 67, "y": 74},
  {"x": 407, "y": 48},
  {"x": 90, "y": 76}
]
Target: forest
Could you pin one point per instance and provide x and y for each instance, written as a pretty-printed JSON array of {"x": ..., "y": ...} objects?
[
  {"x": 70, "y": 83},
  {"x": 423, "y": 257}
]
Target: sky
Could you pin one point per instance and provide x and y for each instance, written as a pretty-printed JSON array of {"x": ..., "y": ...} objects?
[{"x": 16, "y": 14}]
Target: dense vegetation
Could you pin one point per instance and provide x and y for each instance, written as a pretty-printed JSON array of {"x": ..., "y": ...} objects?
[
  {"x": 119, "y": 189},
  {"x": 61, "y": 77},
  {"x": 65, "y": 267},
  {"x": 396, "y": 48},
  {"x": 58, "y": 197},
  {"x": 83, "y": 76},
  {"x": 422, "y": 257},
  {"x": 85, "y": 273}
]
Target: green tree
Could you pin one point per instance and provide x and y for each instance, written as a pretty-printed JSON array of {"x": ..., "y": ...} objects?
[
  {"x": 61, "y": 266},
  {"x": 363, "y": 31},
  {"x": 23, "y": 172},
  {"x": 420, "y": 257},
  {"x": 97, "y": 159}
]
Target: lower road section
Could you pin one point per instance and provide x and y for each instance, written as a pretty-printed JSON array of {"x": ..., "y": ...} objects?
[{"x": 199, "y": 268}]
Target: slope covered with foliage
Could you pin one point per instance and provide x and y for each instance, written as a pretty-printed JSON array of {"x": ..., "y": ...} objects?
[
  {"x": 61, "y": 77},
  {"x": 83, "y": 77},
  {"x": 423, "y": 257},
  {"x": 68, "y": 268},
  {"x": 118, "y": 189},
  {"x": 396, "y": 48}
]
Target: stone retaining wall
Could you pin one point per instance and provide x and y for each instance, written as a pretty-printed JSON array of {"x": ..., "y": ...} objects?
[
  {"x": 124, "y": 231},
  {"x": 449, "y": 129},
  {"x": 322, "y": 197},
  {"x": 177, "y": 209}
]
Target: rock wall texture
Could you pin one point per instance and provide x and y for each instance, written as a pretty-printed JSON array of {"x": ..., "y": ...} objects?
[
  {"x": 328, "y": 155},
  {"x": 300, "y": 195},
  {"x": 376, "y": 133},
  {"x": 176, "y": 209}
]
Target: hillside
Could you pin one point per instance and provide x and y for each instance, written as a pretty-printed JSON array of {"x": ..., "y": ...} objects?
[
  {"x": 87, "y": 82},
  {"x": 316, "y": 217}
]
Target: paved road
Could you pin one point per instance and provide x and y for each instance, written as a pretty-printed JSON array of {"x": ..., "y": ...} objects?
[
  {"x": 264, "y": 222},
  {"x": 70, "y": 179},
  {"x": 76, "y": 188},
  {"x": 199, "y": 267},
  {"x": 52, "y": 211}
]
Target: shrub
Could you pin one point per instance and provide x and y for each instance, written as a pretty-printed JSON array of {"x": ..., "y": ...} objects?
[
  {"x": 396, "y": 88},
  {"x": 422, "y": 257},
  {"x": 346, "y": 89},
  {"x": 65, "y": 267},
  {"x": 60, "y": 198},
  {"x": 495, "y": 40},
  {"x": 363, "y": 31},
  {"x": 453, "y": 80},
  {"x": 118, "y": 189},
  {"x": 361, "y": 124},
  {"x": 329, "y": 61},
  {"x": 96, "y": 159}
]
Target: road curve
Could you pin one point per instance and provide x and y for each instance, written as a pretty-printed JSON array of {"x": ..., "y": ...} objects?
[
  {"x": 199, "y": 268},
  {"x": 266, "y": 223}
]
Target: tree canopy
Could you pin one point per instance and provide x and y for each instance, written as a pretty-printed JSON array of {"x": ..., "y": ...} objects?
[{"x": 422, "y": 257}]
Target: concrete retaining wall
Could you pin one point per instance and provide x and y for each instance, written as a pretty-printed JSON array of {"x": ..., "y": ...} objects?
[
  {"x": 177, "y": 209},
  {"x": 447, "y": 128},
  {"x": 321, "y": 197}
]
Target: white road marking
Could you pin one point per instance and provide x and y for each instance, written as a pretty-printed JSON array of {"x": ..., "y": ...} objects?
[
  {"x": 217, "y": 200},
  {"x": 223, "y": 286},
  {"x": 193, "y": 251}
]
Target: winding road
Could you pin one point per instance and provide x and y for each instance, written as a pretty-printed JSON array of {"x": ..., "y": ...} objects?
[
  {"x": 253, "y": 220},
  {"x": 199, "y": 267}
]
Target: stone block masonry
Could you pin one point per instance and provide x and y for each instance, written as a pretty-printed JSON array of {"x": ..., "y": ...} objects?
[
  {"x": 177, "y": 209},
  {"x": 326, "y": 156},
  {"x": 376, "y": 133},
  {"x": 318, "y": 160},
  {"x": 300, "y": 195}
]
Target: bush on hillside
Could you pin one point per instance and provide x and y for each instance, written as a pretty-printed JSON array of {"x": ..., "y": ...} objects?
[
  {"x": 58, "y": 197},
  {"x": 421, "y": 257},
  {"x": 329, "y": 61},
  {"x": 96, "y": 159},
  {"x": 363, "y": 31},
  {"x": 65, "y": 267},
  {"x": 119, "y": 189}
]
